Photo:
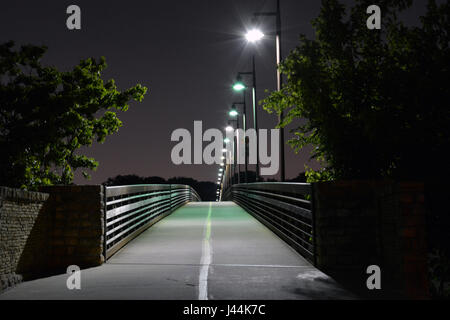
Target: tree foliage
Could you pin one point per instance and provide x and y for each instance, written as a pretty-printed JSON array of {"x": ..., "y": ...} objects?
[
  {"x": 376, "y": 101},
  {"x": 46, "y": 115}
]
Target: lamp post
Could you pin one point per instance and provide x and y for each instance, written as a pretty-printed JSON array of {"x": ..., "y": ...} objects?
[
  {"x": 239, "y": 86},
  {"x": 256, "y": 35},
  {"x": 232, "y": 166},
  {"x": 235, "y": 113}
]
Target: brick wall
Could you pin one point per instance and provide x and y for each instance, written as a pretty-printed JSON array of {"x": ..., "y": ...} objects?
[
  {"x": 44, "y": 233},
  {"x": 362, "y": 223},
  {"x": 75, "y": 226},
  {"x": 19, "y": 211}
]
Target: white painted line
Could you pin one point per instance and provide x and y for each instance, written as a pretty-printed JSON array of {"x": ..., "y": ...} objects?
[
  {"x": 259, "y": 265},
  {"x": 205, "y": 260}
]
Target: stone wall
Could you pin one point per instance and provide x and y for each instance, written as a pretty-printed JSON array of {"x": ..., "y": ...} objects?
[
  {"x": 363, "y": 223},
  {"x": 44, "y": 233},
  {"x": 19, "y": 211},
  {"x": 75, "y": 226}
]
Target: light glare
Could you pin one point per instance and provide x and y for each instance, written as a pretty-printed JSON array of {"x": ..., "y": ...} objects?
[
  {"x": 239, "y": 86},
  {"x": 254, "y": 35}
]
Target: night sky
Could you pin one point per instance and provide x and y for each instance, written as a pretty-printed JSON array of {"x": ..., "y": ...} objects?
[{"x": 187, "y": 52}]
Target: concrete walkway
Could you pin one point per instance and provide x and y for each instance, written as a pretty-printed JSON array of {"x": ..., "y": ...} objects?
[{"x": 202, "y": 251}]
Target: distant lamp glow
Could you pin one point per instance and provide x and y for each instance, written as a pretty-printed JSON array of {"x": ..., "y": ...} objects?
[
  {"x": 229, "y": 128},
  {"x": 233, "y": 113},
  {"x": 226, "y": 140},
  {"x": 254, "y": 35},
  {"x": 220, "y": 169},
  {"x": 221, "y": 164},
  {"x": 224, "y": 150},
  {"x": 238, "y": 86}
]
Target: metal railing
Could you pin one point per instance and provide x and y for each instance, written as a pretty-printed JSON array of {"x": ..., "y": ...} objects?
[
  {"x": 129, "y": 210},
  {"x": 285, "y": 208}
]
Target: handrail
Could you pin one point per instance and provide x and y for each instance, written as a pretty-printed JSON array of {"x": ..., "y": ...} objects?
[
  {"x": 285, "y": 208},
  {"x": 129, "y": 210}
]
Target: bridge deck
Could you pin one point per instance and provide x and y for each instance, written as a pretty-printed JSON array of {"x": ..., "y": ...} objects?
[{"x": 201, "y": 251}]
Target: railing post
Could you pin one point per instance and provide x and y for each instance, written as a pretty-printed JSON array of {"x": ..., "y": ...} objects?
[
  {"x": 313, "y": 224},
  {"x": 104, "y": 221},
  {"x": 170, "y": 197}
]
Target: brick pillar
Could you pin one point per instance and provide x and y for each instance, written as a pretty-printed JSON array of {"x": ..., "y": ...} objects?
[
  {"x": 362, "y": 223},
  {"x": 76, "y": 226}
]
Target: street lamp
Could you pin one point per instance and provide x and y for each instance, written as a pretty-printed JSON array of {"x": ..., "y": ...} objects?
[
  {"x": 255, "y": 114},
  {"x": 254, "y": 36},
  {"x": 233, "y": 113},
  {"x": 238, "y": 86}
]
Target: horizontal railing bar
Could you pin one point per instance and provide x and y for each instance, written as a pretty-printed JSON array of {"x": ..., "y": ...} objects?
[
  {"x": 133, "y": 226},
  {"x": 285, "y": 214},
  {"x": 147, "y": 211},
  {"x": 288, "y": 187},
  {"x": 108, "y": 203},
  {"x": 274, "y": 226},
  {"x": 303, "y": 201},
  {"x": 295, "y": 209},
  {"x": 149, "y": 207},
  {"x": 121, "y": 190},
  {"x": 291, "y": 225},
  {"x": 116, "y": 211}
]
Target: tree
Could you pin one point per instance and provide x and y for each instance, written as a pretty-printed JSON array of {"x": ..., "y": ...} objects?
[
  {"x": 46, "y": 115},
  {"x": 375, "y": 101}
]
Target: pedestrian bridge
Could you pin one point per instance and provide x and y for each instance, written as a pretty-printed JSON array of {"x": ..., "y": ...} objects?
[{"x": 201, "y": 250}]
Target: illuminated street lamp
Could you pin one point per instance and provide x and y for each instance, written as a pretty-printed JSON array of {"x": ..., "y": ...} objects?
[
  {"x": 254, "y": 36},
  {"x": 226, "y": 140},
  {"x": 233, "y": 112},
  {"x": 229, "y": 129},
  {"x": 255, "y": 113},
  {"x": 239, "y": 85}
]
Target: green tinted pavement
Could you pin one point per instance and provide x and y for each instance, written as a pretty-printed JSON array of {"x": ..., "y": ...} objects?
[{"x": 204, "y": 250}]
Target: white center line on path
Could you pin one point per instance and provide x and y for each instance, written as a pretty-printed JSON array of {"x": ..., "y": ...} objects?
[{"x": 206, "y": 259}]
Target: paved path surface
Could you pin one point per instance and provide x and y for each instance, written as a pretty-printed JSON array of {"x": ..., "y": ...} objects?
[{"x": 202, "y": 251}]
